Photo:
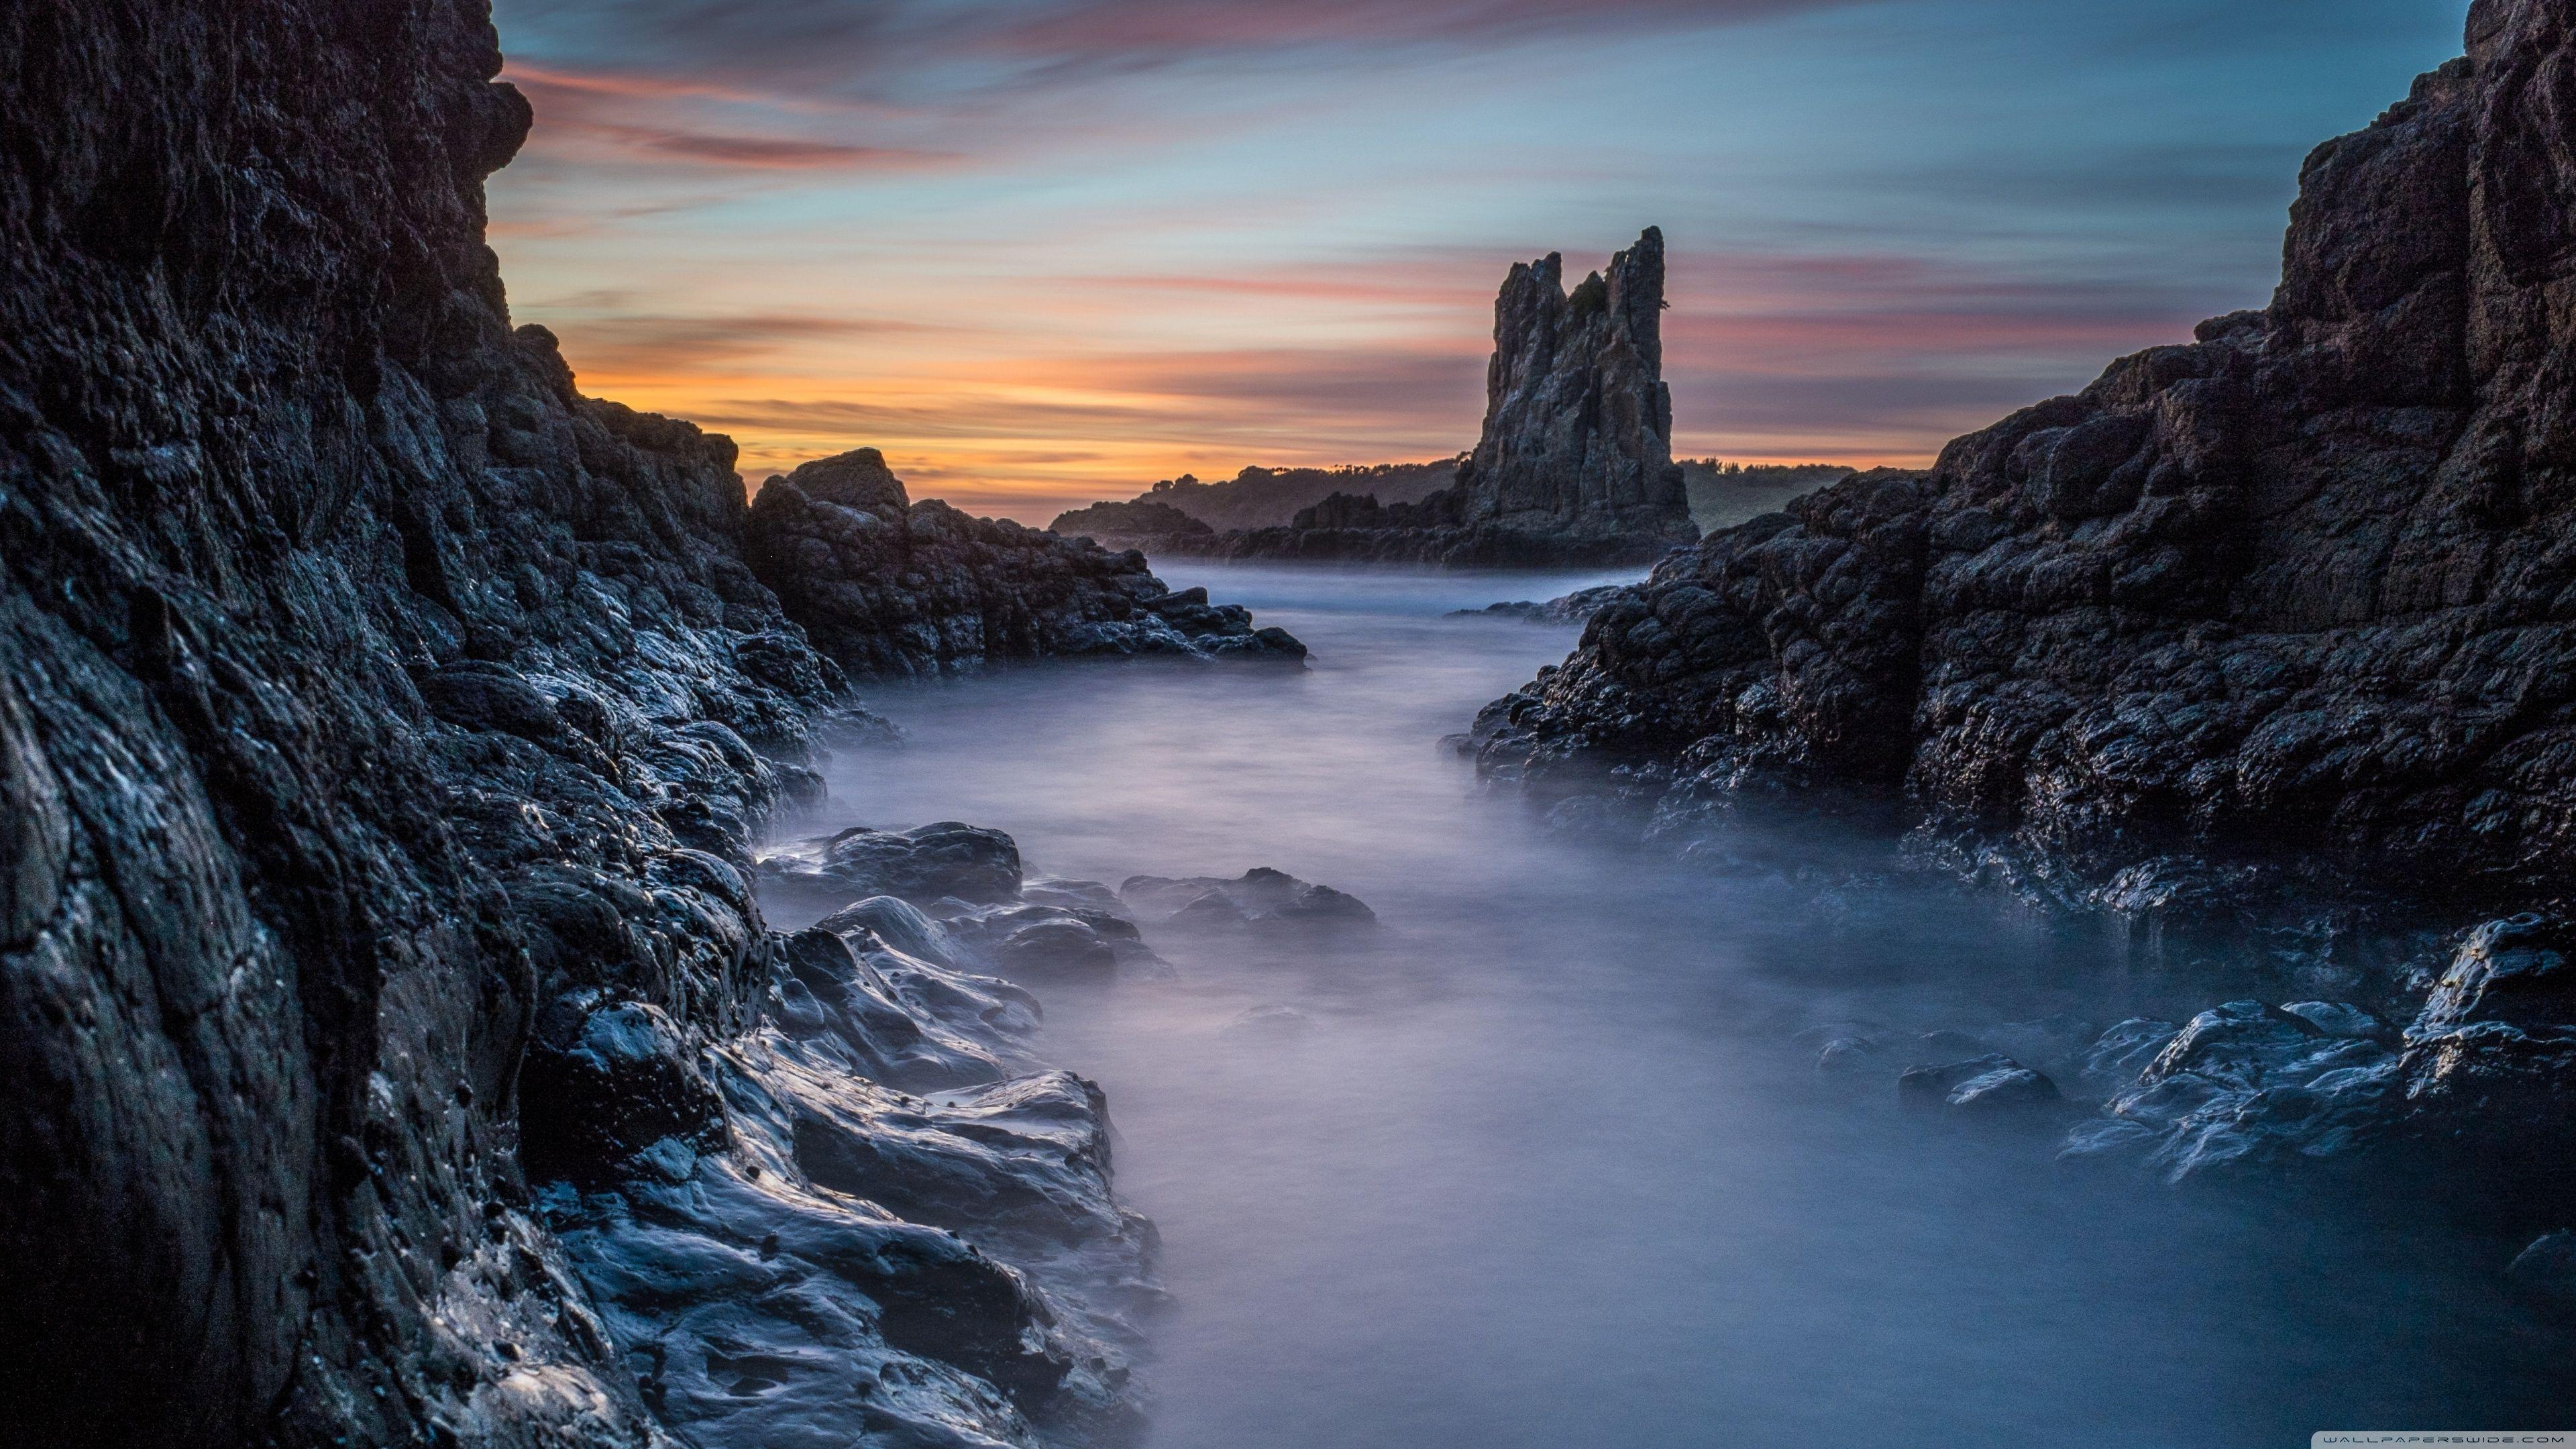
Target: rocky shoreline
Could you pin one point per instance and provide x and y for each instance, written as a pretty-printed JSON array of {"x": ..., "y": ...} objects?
[
  {"x": 396, "y": 1047},
  {"x": 399, "y": 1051},
  {"x": 2275, "y": 618}
]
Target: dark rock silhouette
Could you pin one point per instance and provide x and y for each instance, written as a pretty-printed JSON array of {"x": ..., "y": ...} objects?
[
  {"x": 1142, "y": 524},
  {"x": 1574, "y": 466},
  {"x": 1578, "y": 422},
  {"x": 1256, "y": 497},
  {"x": 888, "y": 586}
]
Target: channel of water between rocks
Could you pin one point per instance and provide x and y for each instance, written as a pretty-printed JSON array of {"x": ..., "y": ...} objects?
[{"x": 1539, "y": 1161}]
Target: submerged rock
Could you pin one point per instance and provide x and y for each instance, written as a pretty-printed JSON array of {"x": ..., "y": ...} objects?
[
  {"x": 2123, "y": 1050},
  {"x": 1025, "y": 939},
  {"x": 2545, "y": 1272},
  {"x": 1571, "y": 608},
  {"x": 1847, "y": 1055},
  {"x": 1259, "y": 898},
  {"x": 1271, "y": 1021},
  {"x": 2002, "y": 1090},
  {"x": 2489, "y": 1063},
  {"x": 2240, "y": 1085},
  {"x": 1982, "y": 1086}
]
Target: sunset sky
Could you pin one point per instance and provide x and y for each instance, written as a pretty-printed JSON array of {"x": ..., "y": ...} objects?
[{"x": 1046, "y": 251}]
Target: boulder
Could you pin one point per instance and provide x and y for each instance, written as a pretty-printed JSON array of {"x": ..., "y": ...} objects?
[
  {"x": 1270, "y": 1021},
  {"x": 2005, "y": 1089},
  {"x": 1260, "y": 897},
  {"x": 926, "y": 863},
  {"x": 1931, "y": 1085}
]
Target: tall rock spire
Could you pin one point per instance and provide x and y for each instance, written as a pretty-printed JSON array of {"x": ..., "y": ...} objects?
[{"x": 1578, "y": 423}]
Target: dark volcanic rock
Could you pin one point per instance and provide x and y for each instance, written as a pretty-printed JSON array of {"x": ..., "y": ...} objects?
[
  {"x": 2306, "y": 579},
  {"x": 377, "y": 711},
  {"x": 1578, "y": 423},
  {"x": 887, "y": 586},
  {"x": 2003, "y": 1090},
  {"x": 1574, "y": 465},
  {"x": 945, "y": 858},
  {"x": 2242, "y": 1087},
  {"x": 2496, "y": 1042},
  {"x": 607, "y": 1083}
]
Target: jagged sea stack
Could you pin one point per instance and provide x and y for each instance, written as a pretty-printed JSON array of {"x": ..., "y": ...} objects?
[
  {"x": 1578, "y": 422},
  {"x": 1575, "y": 465}
]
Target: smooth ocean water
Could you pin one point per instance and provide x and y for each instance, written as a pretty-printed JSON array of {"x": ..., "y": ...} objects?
[{"x": 1545, "y": 1171}]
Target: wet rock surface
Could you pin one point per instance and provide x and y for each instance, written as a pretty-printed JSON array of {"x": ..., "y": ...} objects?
[
  {"x": 2546, "y": 1270},
  {"x": 925, "y": 863},
  {"x": 911, "y": 1233},
  {"x": 888, "y": 586},
  {"x": 2482, "y": 1070},
  {"x": 394, "y": 1048}
]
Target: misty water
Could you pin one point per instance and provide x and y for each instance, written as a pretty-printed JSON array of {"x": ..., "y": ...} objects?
[{"x": 1546, "y": 1168}]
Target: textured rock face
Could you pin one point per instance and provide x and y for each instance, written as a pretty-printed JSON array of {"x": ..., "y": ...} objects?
[
  {"x": 1578, "y": 422},
  {"x": 376, "y": 715},
  {"x": 2304, "y": 580},
  {"x": 888, "y": 586},
  {"x": 1574, "y": 466}
]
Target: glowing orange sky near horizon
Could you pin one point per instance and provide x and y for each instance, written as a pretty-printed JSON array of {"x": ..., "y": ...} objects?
[{"x": 1041, "y": 264}]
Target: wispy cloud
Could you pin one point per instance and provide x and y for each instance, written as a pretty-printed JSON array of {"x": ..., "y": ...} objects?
[
  {"x": 674, "y": 120},
  {"x": 856, "y": 46},
  {"x": 784, "y": 152},
  {"x": 1047, "y": 250},
  {"x": 619, "y": 345}
]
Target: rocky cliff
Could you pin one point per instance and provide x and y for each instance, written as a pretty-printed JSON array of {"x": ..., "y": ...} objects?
[
  {"x": 2307, "y": 582},
  {"x": 383, "y": 728},
  {"x": 1574, "y": 465},
  {"x": 2305, "y": 579}
]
